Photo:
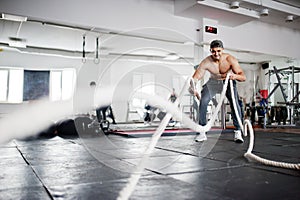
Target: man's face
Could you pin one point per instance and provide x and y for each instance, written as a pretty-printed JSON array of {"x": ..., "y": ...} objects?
[{"x": 216, "y": 52}]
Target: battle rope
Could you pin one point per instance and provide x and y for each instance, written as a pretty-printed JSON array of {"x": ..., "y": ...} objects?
[
  {"x": 234, "y": 106},
  {"x": 249, "y": 153},
  {"x": 251, "y": 156},
  {"x": 172, "y": 110}
]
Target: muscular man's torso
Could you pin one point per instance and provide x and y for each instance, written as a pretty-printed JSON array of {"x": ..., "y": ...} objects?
[{"x": 218, "y": 69}]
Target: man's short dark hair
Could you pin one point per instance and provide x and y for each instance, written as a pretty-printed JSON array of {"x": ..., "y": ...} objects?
[{"x": 216, "y": 44}]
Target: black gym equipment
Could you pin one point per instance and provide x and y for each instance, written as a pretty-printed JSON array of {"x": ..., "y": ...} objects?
[
  {"x": 104, "y": 117},
  {"x": 291, "y": 107}
]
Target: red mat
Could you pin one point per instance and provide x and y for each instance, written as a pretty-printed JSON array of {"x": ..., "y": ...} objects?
[
  {"x": 147, "y": 133},
  {"x": 135, "y": 132}
]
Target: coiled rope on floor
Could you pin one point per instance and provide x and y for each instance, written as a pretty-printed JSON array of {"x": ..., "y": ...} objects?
[
  {"x": 264, "y": 161},
  {"x": 249, "y": 154}
]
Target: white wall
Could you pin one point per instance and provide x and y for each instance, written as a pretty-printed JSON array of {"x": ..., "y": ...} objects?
[
  {"x": 14, "y": 58},
  {"x": 260, "y": 37},
  {"x": 248, "y": 88},
  {"x": 114, "y": 72},
  {"x": 121, "y": 80}
]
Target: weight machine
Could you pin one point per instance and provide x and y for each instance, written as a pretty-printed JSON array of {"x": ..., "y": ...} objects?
[{"x": 291, "y": 105}]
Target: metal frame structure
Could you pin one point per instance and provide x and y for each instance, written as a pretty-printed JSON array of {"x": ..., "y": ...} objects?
[{"x": 290, "y": 104}]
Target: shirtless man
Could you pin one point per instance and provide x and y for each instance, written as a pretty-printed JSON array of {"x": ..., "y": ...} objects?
[{"x": 218, "y": 64}]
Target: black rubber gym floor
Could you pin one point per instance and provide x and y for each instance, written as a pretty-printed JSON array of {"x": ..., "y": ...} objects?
[{"x": 97, "y": 166}]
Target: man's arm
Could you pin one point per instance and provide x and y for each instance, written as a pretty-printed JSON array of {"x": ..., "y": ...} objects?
[
  {"x": 198, "y": 74},
  {"x": 200, "y": 71},
  {"x": 236, "y": 69}
]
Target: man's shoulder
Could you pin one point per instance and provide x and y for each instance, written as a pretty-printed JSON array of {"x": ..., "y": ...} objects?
[
  {"x": 229, "y": 56},
  {"x": 206, "y": 60}
]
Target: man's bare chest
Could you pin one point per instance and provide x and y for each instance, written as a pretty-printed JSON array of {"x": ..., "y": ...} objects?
[
  {"x": 224, "y": 67},
  {"x": 220, "y": 68}
]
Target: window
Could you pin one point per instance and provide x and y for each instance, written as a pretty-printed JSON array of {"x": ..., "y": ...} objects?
[
  {"x": 15, "y": 92},
  {"x": 36, "y": 84},
  {"x": 143, "y": 83},
  {"x": 3, "y": 84},
  {"x": 11, "y": 85},
  {"x": 55, "y": 82},
  {"x": 68, "y": 83},
  {"x": 62, "y": 84}
]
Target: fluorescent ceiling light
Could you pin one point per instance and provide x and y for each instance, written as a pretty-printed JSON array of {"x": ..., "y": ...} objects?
[
  {"x": 188, "y": 43},
  {"x": 14, "y": 17},
  {"x": 171, "y": 56},
  {"x": 17, "y": 44}
]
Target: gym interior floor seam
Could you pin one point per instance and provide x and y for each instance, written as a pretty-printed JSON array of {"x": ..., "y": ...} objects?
[{"x": 97, "y": 166}]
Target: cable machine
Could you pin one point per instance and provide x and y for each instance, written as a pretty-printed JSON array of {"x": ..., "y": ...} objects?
[{"x": 292, "y": 106}]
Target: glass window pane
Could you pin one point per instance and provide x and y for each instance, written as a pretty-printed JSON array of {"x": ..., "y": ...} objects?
[
  {"x": 3, "y": 84},
  {"x": 15, "y": 92},
  {"x": 148, "y": 83},
  {"x": 144, "y": 83},
  {"x": 68, "y": 80},
  {"x": 36, "y": 84},
  {"x": 55, "y": 88},
  {"x": 137, "y": 82}
]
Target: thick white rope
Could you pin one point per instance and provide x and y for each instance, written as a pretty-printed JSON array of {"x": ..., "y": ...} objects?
[
  {"x": 249, "y": 153},
  {"x": 126, "y": 192},
  {"x": 251, "y": 156},
  {"x": 172, "y": 110},
  {"x": 234, "y": 106}
]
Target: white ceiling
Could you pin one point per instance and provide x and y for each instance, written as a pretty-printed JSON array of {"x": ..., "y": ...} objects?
[
  {"x": 249, "y": 10},
  {"x": 49, "y": 37}
]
